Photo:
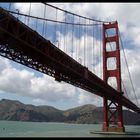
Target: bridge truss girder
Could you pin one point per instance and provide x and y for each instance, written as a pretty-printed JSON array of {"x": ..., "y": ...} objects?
[{"x": 21, "y": 44}]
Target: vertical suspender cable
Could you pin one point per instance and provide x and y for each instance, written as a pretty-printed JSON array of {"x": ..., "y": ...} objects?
[
  {"x": 95, "y": 51},
  {"x": 86, "y": 59},
  {"x": 55, "y": 26},
  {"x": 76, "y": 45},
  {"x": 29, "y": 14},
  {"x": 84, "y": 42},
  {"x": 10, "y": 6},
  {"x": 100, "y": 51},
  {"x": 66, "y": 33},
  {"x": 25, "y": 20},
  {"x": 60, "y": 36},
  {"x": 125, "y": 90},
  {"x": 74, "y": 51},
  {"x": 89, "y": 64},
  {"x": 79, "y": 42},
  {"x": 36, "y": 24},
  {"x": 72, "y": 34},
  {"x": 46, "y": 29},
  {"x": 46, "y": 24},
  {"x": 77, "y": 31},
  {"x": 44, "y": 20},
  {"x": 18, "y": 13},
  {"x": 93, "y": 48}
]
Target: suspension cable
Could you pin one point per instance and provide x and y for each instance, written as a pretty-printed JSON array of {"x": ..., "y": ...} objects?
[
  {"x": 36, "y": 24},
  {"x": 84, "y": 42},
  {"x": 72, "y": 36},
  {"x": 100, "y": 31},
  {"x": 76, "y": 14},
  {"x": 79, "y": 42},
  {"x": 128, "y": 69},
  {"x": 66, "y": 34},
  {"x": 10, "y": 6},
  {"x": 61, "y": 36},
  {"x": 44, "y": 20},
  {"x": 125, "y": 89},
  {"x": 28, "y": 14},
  {"x": 55, "y": 27},
  {"x": 46, "y": 29},
  {"x": 89, "y": 48},
  {"x": 46, "y": 26},
  {"x": 93, "y": 47},
  {"x": 13, "y": 12}
]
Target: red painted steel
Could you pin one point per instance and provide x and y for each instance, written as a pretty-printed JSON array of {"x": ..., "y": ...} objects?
[
  {"x": 112, "y": 111},
  {"x": 23, "y": 45}
]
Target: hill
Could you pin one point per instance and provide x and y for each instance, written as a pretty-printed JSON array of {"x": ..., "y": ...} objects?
[
  {"x": 17, "y": 111},
  {"x": 89, "y": 114}
]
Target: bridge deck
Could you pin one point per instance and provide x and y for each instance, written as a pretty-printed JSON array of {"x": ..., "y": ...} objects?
[{"x": 20, "y": 43}]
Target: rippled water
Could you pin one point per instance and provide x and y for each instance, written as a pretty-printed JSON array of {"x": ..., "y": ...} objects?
[{"x": 43, "y": 129}]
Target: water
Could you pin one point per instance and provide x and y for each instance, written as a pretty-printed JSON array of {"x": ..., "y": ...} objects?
[{"x": 43, "y": 129}]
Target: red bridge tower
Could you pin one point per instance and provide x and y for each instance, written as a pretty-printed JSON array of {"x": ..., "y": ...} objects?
[{"x": 113, "y": 119}]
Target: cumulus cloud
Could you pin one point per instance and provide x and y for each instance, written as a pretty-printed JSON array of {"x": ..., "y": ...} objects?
[
  {"x": 86, "y": 97},
  {"x": 25, "y": 83},
  {"x": 45, "y": 88},
  {"x": 125, "y": 13},
  {"x": 38, "y": 9},
  {"x": 133, "y": 60},
  {"x": 128, "y": 21},
  {"x": 92, "y": 45},
  {"x": 129, "y": 28},
  {"x": 42, "y": 89}
]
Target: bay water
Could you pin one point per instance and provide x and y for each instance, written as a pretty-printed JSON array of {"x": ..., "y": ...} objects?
[{"x": 52, "y": 129}]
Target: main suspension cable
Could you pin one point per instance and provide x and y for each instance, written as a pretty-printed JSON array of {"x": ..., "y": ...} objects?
[
  {"x": 76, "y": 14},
  {"x": 17, "y": 13},
  {"x": 128, "y": 70}
]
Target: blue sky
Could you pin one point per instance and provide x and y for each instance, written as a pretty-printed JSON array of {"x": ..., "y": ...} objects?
[{"x": 33, "y": 87}]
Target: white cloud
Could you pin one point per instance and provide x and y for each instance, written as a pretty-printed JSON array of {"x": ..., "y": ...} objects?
[
  {"x": 127, "y": 14},
  {"x": 89, "y": 98},
  {"x": 25, "y": 83},
  {"x": 92, "y": 55},
  {"x": 4, "y": 64},
  {"x": 128, "y": 18},
  {"x": 39, "y": 101},
  {"x": 38, "y": 9},
  {"x": 42, "y": 89},
  {"x": 133, "y": 60}
]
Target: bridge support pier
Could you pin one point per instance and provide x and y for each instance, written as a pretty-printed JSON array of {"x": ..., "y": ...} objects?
[
  {"x": 113, "y": 129},
  {"x": 113, "y": 119}
]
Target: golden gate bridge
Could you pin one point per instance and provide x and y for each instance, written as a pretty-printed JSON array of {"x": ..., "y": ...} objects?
[{"x": 78, "y": 50}]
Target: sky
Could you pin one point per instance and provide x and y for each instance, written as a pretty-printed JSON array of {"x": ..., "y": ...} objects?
[{"x": 18, "y": 82}]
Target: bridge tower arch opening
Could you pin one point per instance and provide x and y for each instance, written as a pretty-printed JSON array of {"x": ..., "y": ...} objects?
[{"x": 113, "y": 117}]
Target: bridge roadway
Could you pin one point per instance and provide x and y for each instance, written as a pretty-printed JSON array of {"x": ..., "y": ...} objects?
[{"x": 21, "y": 44}]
